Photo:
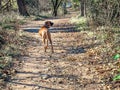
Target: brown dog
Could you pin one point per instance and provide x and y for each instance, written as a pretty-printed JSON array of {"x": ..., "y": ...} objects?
[{"x": 45, "y": 34}]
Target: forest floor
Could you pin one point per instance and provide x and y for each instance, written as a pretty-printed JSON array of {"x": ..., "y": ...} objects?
[{"x": 72, "y": 66}]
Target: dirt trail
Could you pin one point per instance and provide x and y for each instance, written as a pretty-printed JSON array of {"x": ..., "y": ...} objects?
[{"x": 66, "y": 69}]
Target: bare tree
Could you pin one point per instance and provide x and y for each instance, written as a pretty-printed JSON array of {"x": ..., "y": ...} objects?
[
  {"x": 0, "y": 3},
  {"x": 6, "y": 6},
  {"x": 22, "y": 7},
  {"x": 83, "y": 7},
  {"x": 64, "y": 7},
  {"x": 56, "y": 4}
]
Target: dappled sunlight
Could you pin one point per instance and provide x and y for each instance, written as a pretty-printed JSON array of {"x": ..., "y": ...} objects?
[
  {"x": 72, "y": 48},
  {"x": 82, "y": 53}
]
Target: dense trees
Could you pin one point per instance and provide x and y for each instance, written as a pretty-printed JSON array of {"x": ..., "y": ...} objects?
[
  {"x": 101, "y": 11},
  {"x": 104, "y": 12}
]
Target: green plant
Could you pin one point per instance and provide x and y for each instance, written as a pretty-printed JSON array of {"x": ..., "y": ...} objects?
[
  {"x": 117, "y": 77},
  {"x": 116, "y": 57}
]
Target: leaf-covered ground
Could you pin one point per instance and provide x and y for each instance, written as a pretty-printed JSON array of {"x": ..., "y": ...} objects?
[{"x": 75, "y": 65}]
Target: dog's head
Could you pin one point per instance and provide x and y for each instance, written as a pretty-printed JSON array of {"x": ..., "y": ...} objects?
[{"x": 49, "y": 24}]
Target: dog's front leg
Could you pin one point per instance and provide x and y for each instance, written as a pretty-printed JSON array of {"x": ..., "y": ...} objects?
[{"x": 49, "y": 37}]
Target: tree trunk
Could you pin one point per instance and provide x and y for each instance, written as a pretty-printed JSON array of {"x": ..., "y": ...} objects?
[
  {"x": 83, "y": 7},
  {"x": 55, "y": 12},
  {"x": 64, "y": 8},
  {"x": 22, "y": 7},
  {"x": 56, "y": 5},
  {"x": 0, "y": 4}
]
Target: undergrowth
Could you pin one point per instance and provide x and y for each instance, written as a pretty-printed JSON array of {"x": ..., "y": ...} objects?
[
  {"x": 11, "y": 45},
  {"x": 80, "y": 22},
  {"x": 107, "y": 53}
]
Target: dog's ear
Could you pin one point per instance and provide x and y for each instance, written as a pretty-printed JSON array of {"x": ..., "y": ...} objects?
[{"x": 51, "y": 23}]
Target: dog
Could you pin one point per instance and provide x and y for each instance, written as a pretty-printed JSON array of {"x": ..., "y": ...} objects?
[{"x": 46, "y": 36}]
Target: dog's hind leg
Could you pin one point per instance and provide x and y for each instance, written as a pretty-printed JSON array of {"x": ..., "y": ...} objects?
[
  {"x": 51, "y": 46},
  {"x": 45, "y": 41},
  {"x": 49, "y": 37}
]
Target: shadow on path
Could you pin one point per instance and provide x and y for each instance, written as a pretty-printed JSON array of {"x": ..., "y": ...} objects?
[{"x": 53, "y": 29}]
